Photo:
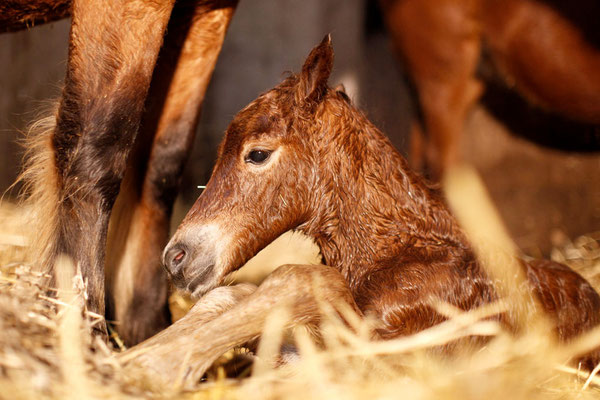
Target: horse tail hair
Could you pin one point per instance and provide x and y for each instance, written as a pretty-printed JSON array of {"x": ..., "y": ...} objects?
[{"x": 40, "y": 192}]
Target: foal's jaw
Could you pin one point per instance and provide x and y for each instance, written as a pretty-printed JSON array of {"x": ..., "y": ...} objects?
[{"x": 193, "y": 258}]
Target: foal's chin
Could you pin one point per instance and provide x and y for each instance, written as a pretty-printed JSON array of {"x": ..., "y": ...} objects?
[{"x": 202, "y": 279}]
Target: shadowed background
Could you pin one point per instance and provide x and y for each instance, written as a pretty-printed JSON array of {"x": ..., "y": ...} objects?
[{"x": 543, "y": 195}]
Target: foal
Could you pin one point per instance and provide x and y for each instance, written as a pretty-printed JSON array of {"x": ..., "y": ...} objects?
[{"x": 302, "y": 157}]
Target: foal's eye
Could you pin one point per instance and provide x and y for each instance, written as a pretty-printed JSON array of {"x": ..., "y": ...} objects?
[{"x": 257, "y": 156}]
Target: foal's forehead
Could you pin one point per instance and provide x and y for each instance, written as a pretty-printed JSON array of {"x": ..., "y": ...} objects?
[
  {"x": 252, "y": 122},
  {"x": 258, "y": 118}
]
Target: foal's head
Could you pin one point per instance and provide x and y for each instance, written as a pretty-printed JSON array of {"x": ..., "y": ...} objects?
[{"x": 264, "y": 179}]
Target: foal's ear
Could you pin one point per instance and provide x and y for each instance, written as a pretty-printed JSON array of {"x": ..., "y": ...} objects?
[{"x": 316, "y": 71}]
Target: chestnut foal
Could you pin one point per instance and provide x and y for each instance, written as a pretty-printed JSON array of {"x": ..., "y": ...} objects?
[{"x": 302, "y": 157}]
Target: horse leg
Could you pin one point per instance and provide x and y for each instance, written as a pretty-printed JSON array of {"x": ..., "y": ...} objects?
[
  {"x": 440, "y": 44},
  {"x": 567, "y": 81},
  {"x": 112, "y": 52},
  {"x": 140, "y": 225}
]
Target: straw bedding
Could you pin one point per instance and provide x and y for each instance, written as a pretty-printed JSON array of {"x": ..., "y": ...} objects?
[{"x": 47, "y": 351}]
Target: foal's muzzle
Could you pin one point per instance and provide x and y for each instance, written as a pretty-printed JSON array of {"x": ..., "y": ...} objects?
[{"x": 191, "y": 266}]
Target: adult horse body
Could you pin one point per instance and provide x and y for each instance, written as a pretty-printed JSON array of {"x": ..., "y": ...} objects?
[{"x": 302, "y": 157}]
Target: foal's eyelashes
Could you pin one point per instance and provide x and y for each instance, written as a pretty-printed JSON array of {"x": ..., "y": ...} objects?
[{"x": 257, "y": 156}]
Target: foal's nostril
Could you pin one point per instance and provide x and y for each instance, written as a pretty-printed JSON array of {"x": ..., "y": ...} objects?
[
  {"x": 179, "y": 256},
  {"x": 174, "y": 259}
]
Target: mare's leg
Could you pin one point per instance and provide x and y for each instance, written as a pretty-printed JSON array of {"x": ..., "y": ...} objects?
[
  {"x": 112, "y": 54},
  {"x": 440, "y": 44},
  {"x": 140, "y": 224},
  {"x": 548, "y": 57}
]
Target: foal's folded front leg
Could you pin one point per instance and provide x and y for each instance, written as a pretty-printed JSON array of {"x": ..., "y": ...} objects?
[{"x": 183, "y": 352}]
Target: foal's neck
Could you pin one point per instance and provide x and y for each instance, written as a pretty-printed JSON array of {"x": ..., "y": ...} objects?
[{"x": 370, "y": 208}]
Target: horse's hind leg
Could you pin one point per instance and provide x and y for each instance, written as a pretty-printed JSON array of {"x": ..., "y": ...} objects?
[
  {"x": 440, "y": 44},
  {"x": 140, "y": 224},
  {"x": 112, "y": 52}
]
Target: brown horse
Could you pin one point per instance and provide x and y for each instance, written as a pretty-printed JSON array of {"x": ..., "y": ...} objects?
[
  {"x": 117, "y": 85},
  {"x": 548, "y": 50},
  {"x": 114, "y": 89},
  {"x": 302, "y": 157}
]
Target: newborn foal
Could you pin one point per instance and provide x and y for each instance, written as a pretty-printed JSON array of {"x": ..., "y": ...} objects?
[{"x": 302, "y": 157}]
